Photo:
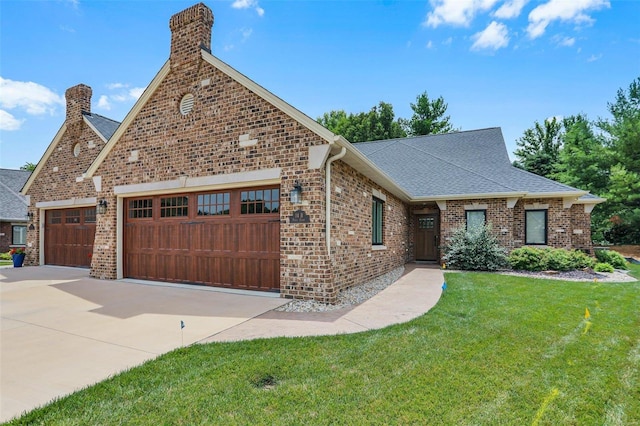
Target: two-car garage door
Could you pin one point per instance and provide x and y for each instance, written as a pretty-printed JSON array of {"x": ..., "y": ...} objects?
[{"x": 227, "y": 238}]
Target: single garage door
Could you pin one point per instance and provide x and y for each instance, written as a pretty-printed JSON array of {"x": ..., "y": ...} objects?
[
  {"x": 218, "y": 238},
  {"x": 69, "y": 236}
]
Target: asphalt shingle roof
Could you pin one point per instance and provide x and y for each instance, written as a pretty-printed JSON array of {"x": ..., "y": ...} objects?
[
  {"x": 106, "y": 126},
  {"x": 13, "y": 205},
  {"x": 459, "y": 163}
]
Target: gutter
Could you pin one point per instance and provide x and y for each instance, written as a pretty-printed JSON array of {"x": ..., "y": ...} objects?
[{"x": 330, "y": 160}]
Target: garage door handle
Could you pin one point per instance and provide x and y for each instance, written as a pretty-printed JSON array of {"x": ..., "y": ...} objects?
[
  {"x": 274, "y": 220},
  {"x": 191, "y": 223}
]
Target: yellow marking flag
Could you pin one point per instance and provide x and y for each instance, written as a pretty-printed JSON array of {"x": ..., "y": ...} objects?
[{"x": 587, "y": 315}]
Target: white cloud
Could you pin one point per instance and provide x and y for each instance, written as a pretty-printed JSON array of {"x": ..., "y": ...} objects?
[
  {"x": 495, "y": 36},
  {"x": 248, "y": 4},
  {"x": 456, "y": 12},
  {"x": 562, "y": 10},
  {"x": 67, "y": 29},
  {"x": 32, "y": 97},
  {"x": 510, "y": 9},
  {"x": 121, "y": 92},
  {"x": 564, "y": 41},
  {"x": 448, "y": 41},
  {"x": 8, "y": 122},
  {"x": 246, "y": 33},
  {"x": 594, "y": 58},
  {"x": 429, "y": 44},
  {"x": 104, "y": 103}
]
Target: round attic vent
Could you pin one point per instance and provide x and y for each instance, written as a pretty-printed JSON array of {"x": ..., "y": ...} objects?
[{"x": 186, "y": 104}]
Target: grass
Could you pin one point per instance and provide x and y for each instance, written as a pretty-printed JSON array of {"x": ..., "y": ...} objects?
[
  {"x": 6, "y": 262},
  {"x": 495, "y": 350}
]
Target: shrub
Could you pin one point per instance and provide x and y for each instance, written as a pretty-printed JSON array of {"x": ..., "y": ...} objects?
[
  {"x": 581, "y": 260},
  {"x": 475, "y": 249},
  {"x": 540, "y": 259},
  {"x": 603, "y": 267},
  {"x": 527, "y": 259},
  {"x": 5, "y": 256},
  {"x": 611, "y": 257}
]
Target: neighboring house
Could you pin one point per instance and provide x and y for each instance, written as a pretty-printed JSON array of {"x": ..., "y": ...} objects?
[
  {"x": 13, "y": 209},
  {"x": 213, "y": 180}
]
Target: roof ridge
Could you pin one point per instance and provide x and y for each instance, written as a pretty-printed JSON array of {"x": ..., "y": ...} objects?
[
  {"x": 15, "y": 194},
  {"x": 101, "y": 116},
  {"x": 463, "y": 168}
]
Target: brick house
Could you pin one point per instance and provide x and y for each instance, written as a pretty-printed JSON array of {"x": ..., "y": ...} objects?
[
  {"x": 213, "y": 180},
  {"x": 13, "y": 209}
]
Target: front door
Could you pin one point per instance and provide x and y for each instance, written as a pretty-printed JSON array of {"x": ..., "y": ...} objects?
[{"x": 427, "y": 236}]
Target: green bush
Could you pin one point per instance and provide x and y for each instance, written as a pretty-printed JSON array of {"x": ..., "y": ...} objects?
[
  {"x": 541, "y": 259},
  {"x": 5, "y": 256},
  {"x": 581, "y": 260},
  {"x": 611, "y": 257},
  {"x": 603, "y": 267},
  {"x": 475, "y": 249},
  {"x": 527, "y": 259}
]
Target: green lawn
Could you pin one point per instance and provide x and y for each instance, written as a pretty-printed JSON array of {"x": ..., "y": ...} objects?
[
  {"x": 6, "y": 262},
  {"x": 495, "y": 350}
]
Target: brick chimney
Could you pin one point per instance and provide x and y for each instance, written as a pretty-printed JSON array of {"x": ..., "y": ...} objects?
[
  {"x": 78, "y": 100},
  {"x": 190, "y": 32}
]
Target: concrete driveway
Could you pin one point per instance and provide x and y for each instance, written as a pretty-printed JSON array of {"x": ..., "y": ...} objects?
[{"x": 62, "y": 330}]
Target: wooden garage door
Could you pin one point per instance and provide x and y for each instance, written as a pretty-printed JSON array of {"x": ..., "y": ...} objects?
[
  {"x": 221, "y": 238},
  {"x": 69, "y": 236}
]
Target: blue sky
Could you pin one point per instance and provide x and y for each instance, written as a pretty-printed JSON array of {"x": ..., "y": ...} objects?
[{"x": 495, "y": 62}]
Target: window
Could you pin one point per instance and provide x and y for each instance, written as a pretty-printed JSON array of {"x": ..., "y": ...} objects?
[
  {"x": 72, "y": 216},
  {"x": 90, "y": 215},
  {"x": 174, "y": 206},
  {"x": 476, "y": 218},
  {"x": 377, "y": 209},
  {"x": 139, "y": 209},
  {"x": 19, "y": 235},
  {"x": 260, "y": 201},
  {"x": 55, "y": 216},
  {"x": 213, "y": 204},
  {"x": 535, "y": 223}
]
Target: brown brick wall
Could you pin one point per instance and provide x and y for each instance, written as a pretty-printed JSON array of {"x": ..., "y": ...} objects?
[
  {"x": 57, "y": 179},
  {"x": 353, "y": 258}
]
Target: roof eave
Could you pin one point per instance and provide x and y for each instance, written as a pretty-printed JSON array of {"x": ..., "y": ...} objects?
[
  {"x": 447, "y": 197},
  {"x": 43, "y": 160}
]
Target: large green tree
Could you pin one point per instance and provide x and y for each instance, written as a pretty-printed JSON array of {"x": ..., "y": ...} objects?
[
  {"x": 376, "y": 124},
  {"x": 28, "y": 166},
  {"x": 428, "y": 117},
  {"x": 539, "y": 148}
]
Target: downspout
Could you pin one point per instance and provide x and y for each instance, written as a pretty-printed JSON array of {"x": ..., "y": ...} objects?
[{"x": 327, "y": 203}]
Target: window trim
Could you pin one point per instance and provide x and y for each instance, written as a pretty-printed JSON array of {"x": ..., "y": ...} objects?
[
  {"x": 377, "y": 221},
  {"x": 466, "y": 216},
  {"x": 546, "y": 227}
]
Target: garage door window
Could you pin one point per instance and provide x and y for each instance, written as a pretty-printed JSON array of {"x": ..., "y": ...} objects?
[
  {"x": 140, "y": 209},
  {"x": 55, "y": 217},
  {"x": 213, "y": 204},
  {"x": 260, "y": 201},
  {"x": 90, "y": 215},
  {"x": 174, "y": 207},
  {"x": 72, "y": 216}
]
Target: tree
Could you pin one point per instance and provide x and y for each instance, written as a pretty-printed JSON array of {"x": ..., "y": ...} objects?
[
  {"x": 377, "y": 124},
  {"x": 28, "y": 166},
  {"x": 539, "y": 148},
  {"x": 428, "y": 117},
  {"x": 584, "y": 160}
]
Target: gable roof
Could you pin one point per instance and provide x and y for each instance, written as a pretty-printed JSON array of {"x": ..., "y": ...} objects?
[
  {"x": 459, "y": 165},
  {"x": 103, "y": 126},
  {"x": 13, "y": 205}
]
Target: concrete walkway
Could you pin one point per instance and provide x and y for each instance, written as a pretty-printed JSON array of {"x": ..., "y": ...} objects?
[{"x": 62, "y": 330}]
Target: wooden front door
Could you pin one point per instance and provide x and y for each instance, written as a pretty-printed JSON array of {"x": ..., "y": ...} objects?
[
  {"x": 228, "y": 238},
  {"x": 68, "y": 236},
  {"x": 427, "y": 228}
]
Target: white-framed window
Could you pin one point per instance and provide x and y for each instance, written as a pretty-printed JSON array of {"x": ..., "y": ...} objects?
[
  {"x": 19, "y": 235},
  {"x": 535, "y": 224}
]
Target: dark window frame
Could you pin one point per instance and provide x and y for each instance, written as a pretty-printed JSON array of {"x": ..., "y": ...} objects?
[
  {"x": 546, "y": 227},
  {"x": 466, "y": 216},
  {"x": 377, "y": 221},
  {"x": 13, "y": 235}
]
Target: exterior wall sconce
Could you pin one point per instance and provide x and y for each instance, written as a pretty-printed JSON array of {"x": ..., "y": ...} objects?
[
  {"x": 296, "y": 193},
  {"x": 30, "y": 216},
  {"x": 101, "y": 208}
]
